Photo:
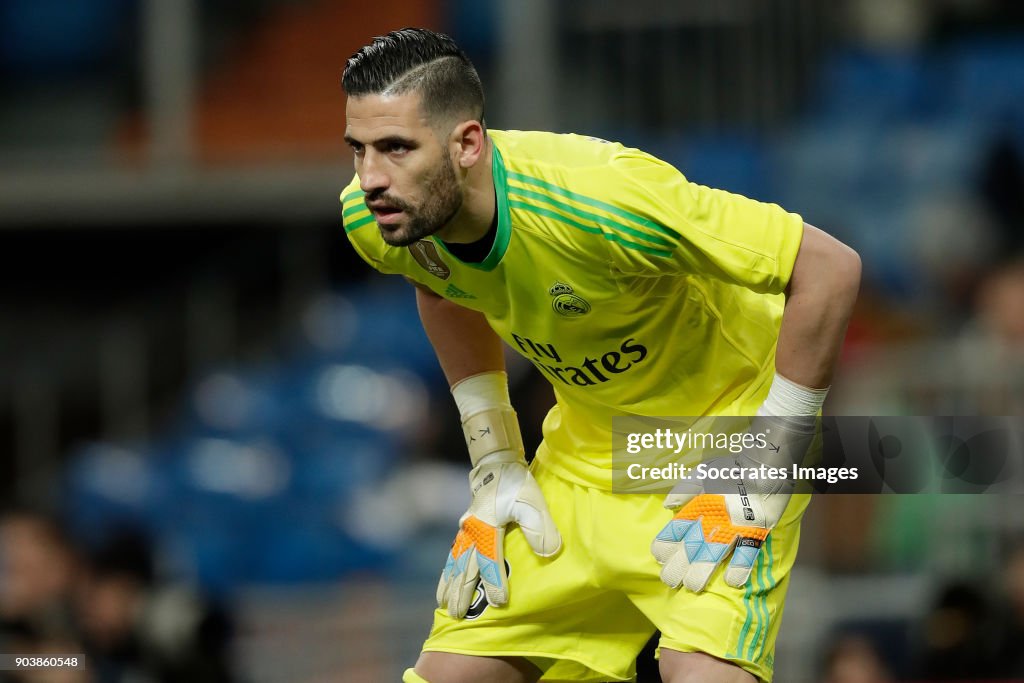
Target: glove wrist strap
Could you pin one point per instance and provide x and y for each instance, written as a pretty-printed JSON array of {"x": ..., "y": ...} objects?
[
  {"x": 489, "y": 423},
  {"x": 493, "y": 431}
]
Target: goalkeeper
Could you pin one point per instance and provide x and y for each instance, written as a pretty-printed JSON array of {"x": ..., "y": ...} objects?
[{"x": 636, "y": 293}]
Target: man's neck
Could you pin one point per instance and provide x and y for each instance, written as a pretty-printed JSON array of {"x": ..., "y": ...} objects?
[{"x": 479, "y": 205}]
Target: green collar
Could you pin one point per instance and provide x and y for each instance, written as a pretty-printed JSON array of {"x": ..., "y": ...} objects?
[{"x": 501, "y": 239}]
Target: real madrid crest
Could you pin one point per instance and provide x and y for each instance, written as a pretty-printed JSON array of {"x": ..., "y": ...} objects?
[
  {"x": 425, "y": 253},
  {"x": 567, "y": 303}
]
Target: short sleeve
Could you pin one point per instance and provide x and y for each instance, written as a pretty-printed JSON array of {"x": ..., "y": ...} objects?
[{"x": 680, "y": 227}]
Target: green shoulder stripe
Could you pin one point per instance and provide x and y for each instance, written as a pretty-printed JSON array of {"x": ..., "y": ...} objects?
[
  {"x": 352, "y": 195},
  {"x": 590, "y": 201},
  {"x": 359, "y": 222},
  {"x": 586, "y": 215},
  {"x": 611, "y": 237},
  {"x": 355, "y": 208}
]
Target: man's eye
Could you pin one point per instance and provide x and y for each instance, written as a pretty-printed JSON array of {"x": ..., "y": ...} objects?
[{"x": 397, "y": 148}]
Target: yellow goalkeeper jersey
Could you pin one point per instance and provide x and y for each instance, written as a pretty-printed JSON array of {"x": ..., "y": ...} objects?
[{"x": 634, "y": 291}]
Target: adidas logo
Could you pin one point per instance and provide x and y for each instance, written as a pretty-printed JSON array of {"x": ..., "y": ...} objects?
[{"x": 454, "y": 292}]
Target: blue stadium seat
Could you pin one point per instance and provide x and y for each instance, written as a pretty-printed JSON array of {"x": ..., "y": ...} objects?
[
  {"x": 329, "y": 469},
  {"x": 378, "y": 319},
  {"x": 305, "y": 543},
  {"x": 985, "y": 78},
  {"x": 230, "y": 401},
  {"x": 108, "y": 487},
  {"x": 875, "y": 86}
]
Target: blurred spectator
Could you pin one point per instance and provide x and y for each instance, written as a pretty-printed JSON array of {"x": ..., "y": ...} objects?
[
  {"x": 954, "y": 242},
  {"x": 134, "y": 628},
  {"x": 990, "y": 353},
  {"x": 1002, "y": 189},
  {"x": 887, "y": 25},
  {"x": 1010, "y": 618},
  {"x": 854, "y": 659},
  {"x": 1000, "y": 303},
  {"x": 958, "y": 643},
  {"x": 37, "y": 569},
  {"x": 954, "y": 18}
]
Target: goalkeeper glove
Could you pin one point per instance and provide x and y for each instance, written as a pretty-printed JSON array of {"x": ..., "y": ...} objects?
[
  {"x": 708, "y": 527},
  {"x": 503, "y": 492}
]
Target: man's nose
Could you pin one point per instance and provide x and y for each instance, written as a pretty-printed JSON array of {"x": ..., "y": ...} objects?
[{"x": 372, "y": 175}]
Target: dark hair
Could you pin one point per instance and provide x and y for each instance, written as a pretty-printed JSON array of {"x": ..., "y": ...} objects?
[{"x": 417, "y": 59}]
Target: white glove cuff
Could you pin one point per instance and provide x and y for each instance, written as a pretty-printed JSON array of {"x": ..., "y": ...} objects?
[
  {"x": 787, "y": 398},
  {"x": 480, "y": 392}
]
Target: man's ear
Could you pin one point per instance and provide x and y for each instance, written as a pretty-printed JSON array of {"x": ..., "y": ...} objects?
[{"x": 469, "y": 140}]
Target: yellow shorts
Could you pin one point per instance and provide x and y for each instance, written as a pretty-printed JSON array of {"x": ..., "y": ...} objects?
[{"x": 586, "y": 613}]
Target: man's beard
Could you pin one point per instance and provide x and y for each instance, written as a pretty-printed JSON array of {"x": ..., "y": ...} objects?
[{"x": 442, "y": 201}]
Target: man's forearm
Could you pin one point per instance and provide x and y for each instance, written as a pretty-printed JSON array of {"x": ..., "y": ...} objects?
[
  {"x": 822, "y": 292},
  {"x": 464, "y": 342}
]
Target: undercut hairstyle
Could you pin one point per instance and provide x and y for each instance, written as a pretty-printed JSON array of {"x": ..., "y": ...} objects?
[{"x": 417, "y": 59}]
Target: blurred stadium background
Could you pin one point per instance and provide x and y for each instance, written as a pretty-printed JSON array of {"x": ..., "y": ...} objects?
[{"x": 228, "y": 453}]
